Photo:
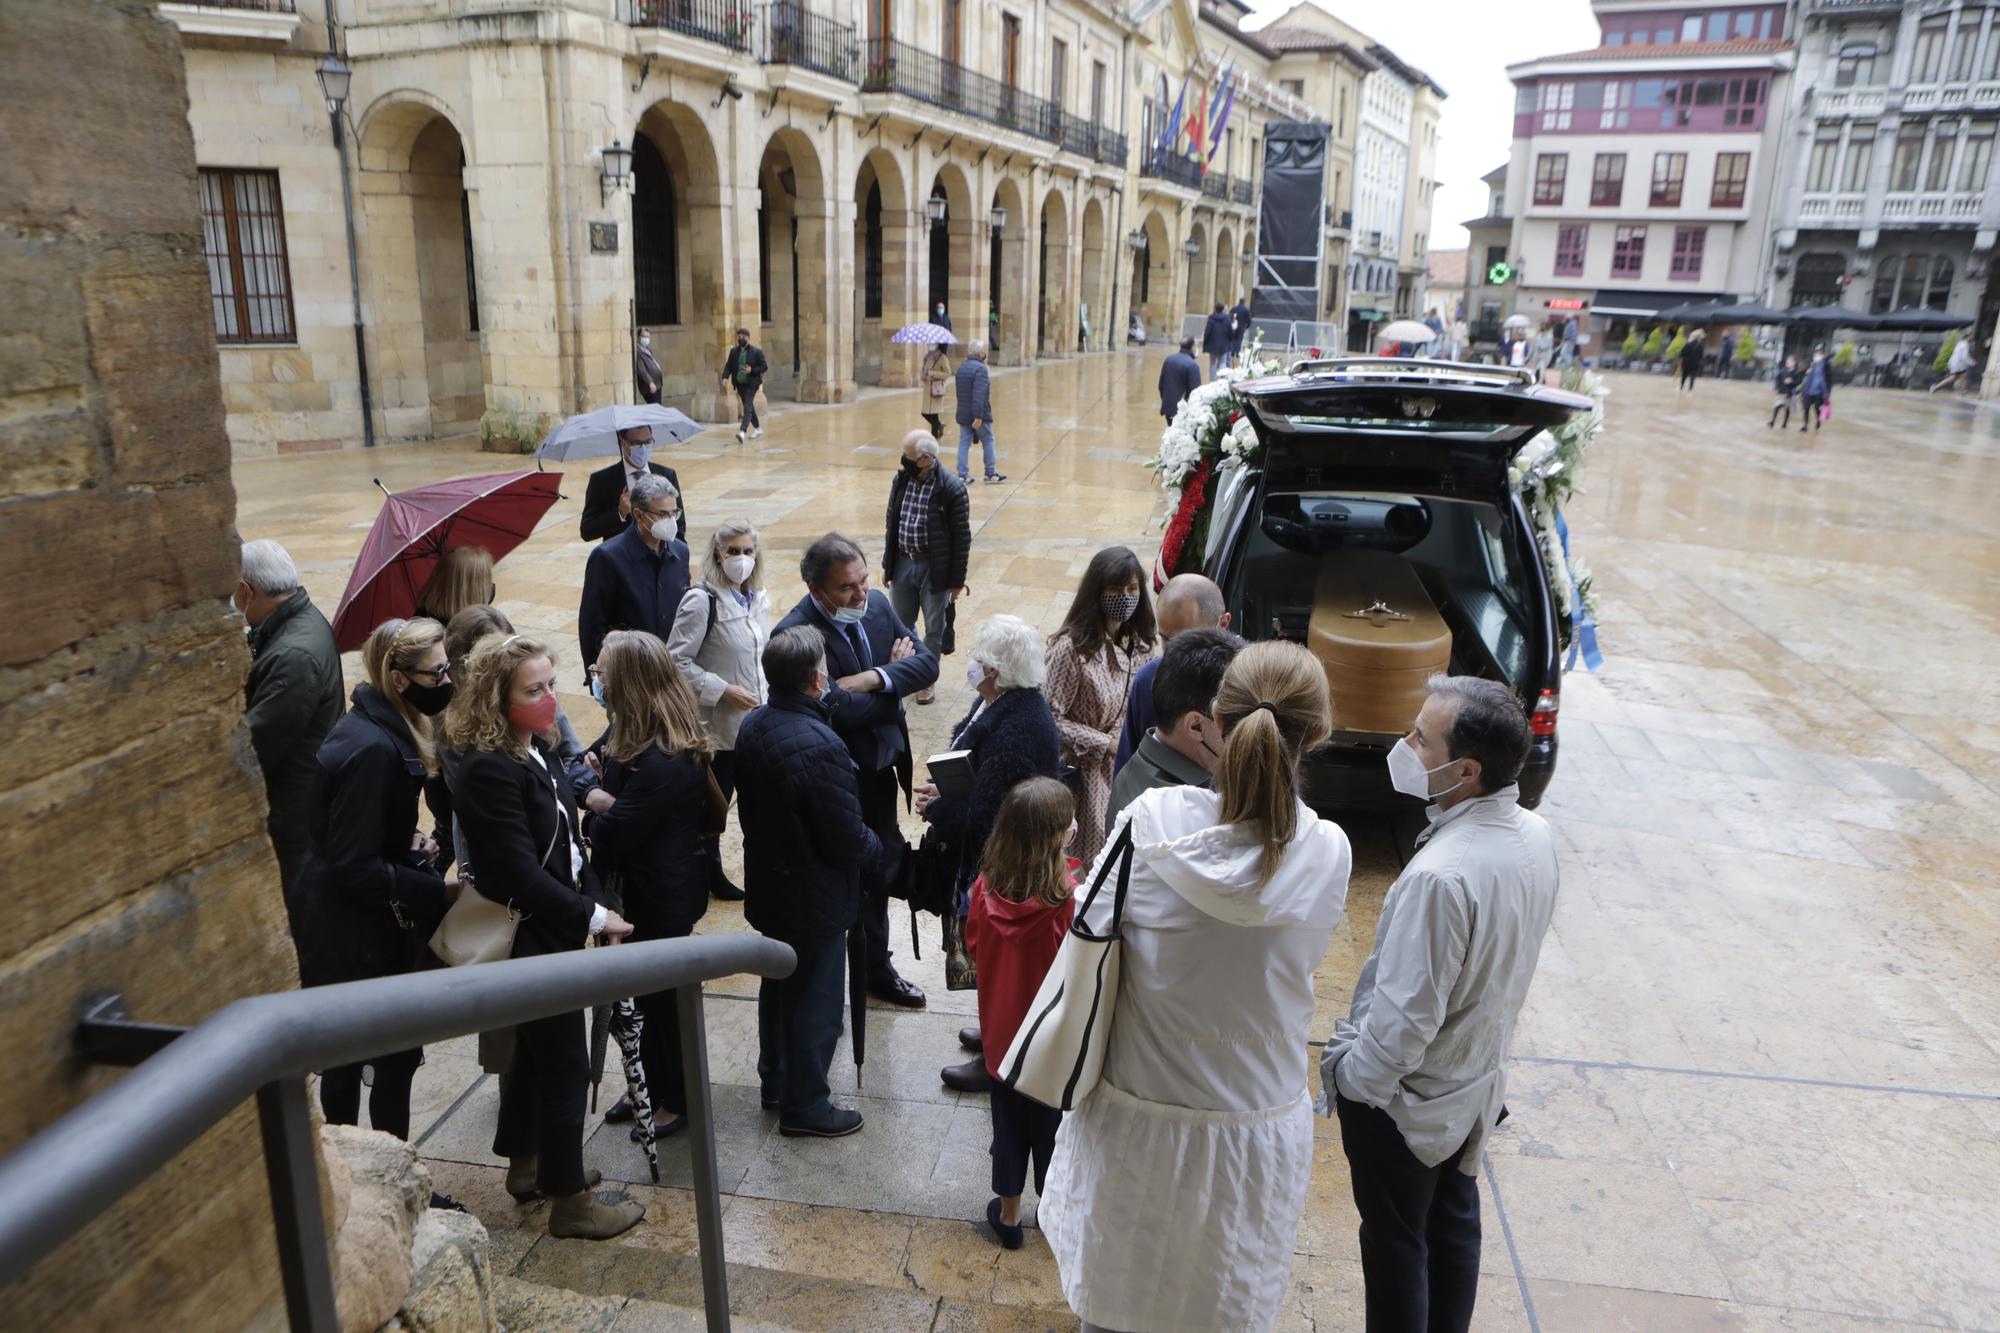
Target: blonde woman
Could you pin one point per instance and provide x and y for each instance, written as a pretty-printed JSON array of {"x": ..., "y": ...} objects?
[
  {"x": 718, "y": 640},
  {"x": 1177, "y": 1185},
  {"x": 934, "y": 383},
  {"x": 644, "y": 827},
  {"x": 463, "y": 578},
  {"x": 370, "y": 888},
  {"x": 522, "y": 837}
]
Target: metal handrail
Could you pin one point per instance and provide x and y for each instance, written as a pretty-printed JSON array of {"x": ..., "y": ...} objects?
[
  {"x": 1172, "y": 168},
  {"x": 795, "y": 35},
  {"x": 63, "y": 1178},
  {"x": 728, "y": 22},
  {"x": 890, "y": 66}
]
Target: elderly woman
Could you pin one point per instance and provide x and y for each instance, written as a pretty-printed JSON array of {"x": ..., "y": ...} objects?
[{"x": 1012, "y": 736}]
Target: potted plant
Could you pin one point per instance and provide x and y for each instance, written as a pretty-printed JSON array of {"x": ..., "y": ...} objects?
[
  {"x": 1655, "y": 343},
  {"x": 1942, "y": 363},
  {"x": 1629, "y": 349},
  {"x": 1843, "y": 364},
  {"x": 1746, "y": 352},
  {"x": 1676, "y": 345}
]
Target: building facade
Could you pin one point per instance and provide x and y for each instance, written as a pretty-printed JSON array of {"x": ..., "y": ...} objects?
[{"x": 1489, "y": 268}]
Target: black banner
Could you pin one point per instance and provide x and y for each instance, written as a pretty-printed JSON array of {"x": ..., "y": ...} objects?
[{"x": 1291, "y": 224}]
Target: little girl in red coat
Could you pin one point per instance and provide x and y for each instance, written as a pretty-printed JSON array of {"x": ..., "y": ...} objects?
[{"x": 1019, "y": 913}]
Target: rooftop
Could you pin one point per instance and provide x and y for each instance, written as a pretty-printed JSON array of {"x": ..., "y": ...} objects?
[
  {"x": 1284, "y": 39},
  {"x": 1448, "y": 267},
  {"x": 1668, "y": 51}
]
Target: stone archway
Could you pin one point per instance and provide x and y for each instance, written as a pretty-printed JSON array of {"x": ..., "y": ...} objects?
[
  {"x": 1153, "y": 295},
  {"x": 422, "y": 278},
  {"x": 1197, "y": 271},
  {"x": 1008, "y": 277},
  {"x": 677, "y": 234},
  {"x": 886, "y": 232},
  {"x": 1056, "y": 318},
  {"x": 794, "y": 269},
  {"x": 952, "y": 269},
  {"x": 1226, "y": 285},
  {"x": 1095, "y": 296}
]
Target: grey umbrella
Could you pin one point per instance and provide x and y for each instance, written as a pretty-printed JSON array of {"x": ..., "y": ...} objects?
[
  {"x": 595, "y": 434},
  {"x": 1916, "y": 319}
]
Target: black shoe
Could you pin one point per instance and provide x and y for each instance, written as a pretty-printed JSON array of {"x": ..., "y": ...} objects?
[
  {"x": 993, "y": 478},
  {"x": 968, "y": 1077},
  {"x": 836, "y": 1122},
  {"x": 1010, "y": 1237},
  {"x": 896, "y": 991},
  {"x": 767, "y": 1102},
  {"x": 620, "y": 1112},
  {"x": 970, "y": 1039},
  {"x": 446, "y": 1202},
  {"x": 667, "y": 1129},
  {"x": 725, "y": 892}
]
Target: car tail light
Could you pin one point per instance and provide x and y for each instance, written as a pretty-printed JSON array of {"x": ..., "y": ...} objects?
[{"x": 1542, "y": 722}]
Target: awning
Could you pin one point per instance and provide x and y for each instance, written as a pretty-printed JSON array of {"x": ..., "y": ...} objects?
[{"x": 1648, "y": 304}]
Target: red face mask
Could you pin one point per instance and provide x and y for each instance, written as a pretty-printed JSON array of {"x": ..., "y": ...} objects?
[{"x": 538, "y": 717}]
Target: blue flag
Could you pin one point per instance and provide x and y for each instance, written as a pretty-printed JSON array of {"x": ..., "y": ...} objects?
[{"x": 1170, "y": 132}]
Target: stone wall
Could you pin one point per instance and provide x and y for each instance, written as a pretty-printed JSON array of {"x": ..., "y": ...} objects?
[{"x": 131, "y": 823}]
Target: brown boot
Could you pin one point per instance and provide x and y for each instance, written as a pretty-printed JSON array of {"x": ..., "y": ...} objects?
[
  {"x": 585, "y": 1216},
  {"x": 521, "y": 1178}
]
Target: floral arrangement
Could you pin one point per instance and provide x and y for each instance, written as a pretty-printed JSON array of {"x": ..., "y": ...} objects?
[
  {"x": 1208, "y": 434},
  {"x": 1547, "y": 472}
]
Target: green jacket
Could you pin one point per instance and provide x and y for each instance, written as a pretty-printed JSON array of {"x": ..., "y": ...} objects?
[{"x": 293, "y": 697}]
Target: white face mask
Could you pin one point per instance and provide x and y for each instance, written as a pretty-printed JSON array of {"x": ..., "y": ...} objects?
[
  {"x": 1408, "y": 775},
  {"x": 646, "y": 340},
  {"x": 975, "y": 674},
  {"x": 737, "y": 568}
]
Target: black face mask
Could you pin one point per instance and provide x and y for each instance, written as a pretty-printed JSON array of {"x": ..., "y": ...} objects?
[{"x": 430, "y": 700}]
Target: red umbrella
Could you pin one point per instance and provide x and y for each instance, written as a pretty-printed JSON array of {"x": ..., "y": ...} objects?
[{"x": 416, "y": 527}]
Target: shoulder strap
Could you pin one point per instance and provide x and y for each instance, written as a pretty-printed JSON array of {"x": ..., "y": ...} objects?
[{"x": 1121, "y": 856}]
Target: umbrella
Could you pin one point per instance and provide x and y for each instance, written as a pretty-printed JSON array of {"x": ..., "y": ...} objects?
[
  {"x": 1746, "y": 312},
  {"x": 1917, "y": 319},
  {"x": 1828, "y": 317},
  {"x": 415, "y": 529},
  {"x": 1695, "y": 312},
  {"x": 923, "y": 333},
  {"x": 857, "y": 995},
  {"x": 625, "y": 1021},
  {"x": 595, "y": 434},
  {"x": 1405, "y": 331},
  {"x": 1518, "y": 322}
]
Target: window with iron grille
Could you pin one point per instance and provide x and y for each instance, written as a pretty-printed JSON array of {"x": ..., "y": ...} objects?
[
  {"x": 1732, "y": 179},
  {"x": 1571, "y": 239},
  {"x": 243, "y": 240},
  {"x": 1688, "y": 245},
  {"x": 1628, "y": 252},
  {"x": 1607, "y": 180},
  {"x": 1669, "y": 171},
  {"x": 1551, "y": 169}
]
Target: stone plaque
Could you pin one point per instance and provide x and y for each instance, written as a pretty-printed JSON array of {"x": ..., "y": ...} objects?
[{"x": 604, "y": 238}]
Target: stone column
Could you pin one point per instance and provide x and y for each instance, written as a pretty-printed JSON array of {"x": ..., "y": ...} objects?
[
  {"x": 826, "y": 306},
  {"x": 905, "y": 251}
]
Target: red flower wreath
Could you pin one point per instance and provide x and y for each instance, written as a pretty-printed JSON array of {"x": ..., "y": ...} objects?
[{"x": 1193, "y": 497}]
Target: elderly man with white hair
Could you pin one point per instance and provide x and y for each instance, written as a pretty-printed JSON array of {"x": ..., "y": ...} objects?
[
  {"x": 636, "y": 580},
  {"x": 294, "y": 694},
  {"x": 975, "y": 412},
  {"x": 1012, "y": 736},
  {"x": 928, "y": 541}
]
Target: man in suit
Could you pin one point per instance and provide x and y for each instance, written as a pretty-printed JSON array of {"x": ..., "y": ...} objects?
[
  {"x": 744, "y": 373},
  {"x": 607, "y": 500},
  {"x": 875, "y": 661},
  {"x": 646, "y": 373},
  {"x": 1179, "y": 377},
  {"x": 637, "y": 579},
  {"x": 1215, "y": 339}
]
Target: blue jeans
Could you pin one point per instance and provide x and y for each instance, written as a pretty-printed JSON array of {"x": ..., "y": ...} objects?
[
  {"x": 914, "y": 588},
  {"x": 798, "y": 1025},
  {"x": 985, "y": 434}
]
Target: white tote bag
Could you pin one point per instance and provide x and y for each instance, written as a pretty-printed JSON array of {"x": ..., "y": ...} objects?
[{"x": 1057, "y": 1054}]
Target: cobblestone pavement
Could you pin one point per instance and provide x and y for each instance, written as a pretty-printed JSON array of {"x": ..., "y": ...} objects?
[{"x": 1757, "y": 1084}]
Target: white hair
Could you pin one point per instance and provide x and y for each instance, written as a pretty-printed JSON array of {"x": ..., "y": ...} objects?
[
  {"x": 1011, "y": 645},
  {"x": 649, "y": 489},
  {"x": 976, "y": 350},
  {"x": 268, "y": 568},
  {"x": 926, "y": 444}
]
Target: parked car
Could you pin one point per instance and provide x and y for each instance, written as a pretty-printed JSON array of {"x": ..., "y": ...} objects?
[{"x": 1390, "y": 474}]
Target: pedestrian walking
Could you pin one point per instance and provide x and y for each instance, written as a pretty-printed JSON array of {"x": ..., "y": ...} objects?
[
  {"x": 1818, "y": 390},
  {"x": 1461, "y": 340},
  {"x": 935, "y": 381},
  {"x": 1786, "y": 384},
  {"x": 743, "y": 372},
  {"x": 292, "y": 697},
  {"x": 1957, "y": 366},
  {"x": 464, "y": 577},
  {"x": 1723, "y": 355},
  {"x": 1021, "y": 908},
  {"x": 1181, "y": 748},
  {"x": 1215, "y": 339},
  {"x": 1178, "y": 1183},
  {"x": 1691, "y": 358},
  {"x": 371, "y": 891},
  {"x": 1109, "y": 627},
  {"x": 644, "y": 829},
  {"x": 647, "y": 377},
  {"x": 607, "y": 497},
  {"x": 514, "y": 810},
  {"x": 1189, "y": 601},
  {"x": 927, "y": 543},
  {"x": 1569, "y": 342},
  {"x": 975, "y": 413},
  {"x": 1180, "y": 375},
  {"x": 1416, "y": 1072},
  {"x": 1010, "y": 735},
  {"x": 637, "y": 579},
  {"x": 718, "y": 639},
  {"x": 1545, "y": 350},
  {"x": 877, "y": 662},
  {"x": 807, "y": 851},
  {"x": 1239, "y": 331}
]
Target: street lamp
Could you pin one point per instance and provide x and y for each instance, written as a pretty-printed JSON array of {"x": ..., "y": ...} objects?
[
  {"x": 937, "y": 207},
  {"x": 334, "y": 78},
  {"x": 997, "y": 219},
  {"x": 1191, "y": 248},
  {"x": 617, "y": 169},
  {"x": 1136, "y": 238}
]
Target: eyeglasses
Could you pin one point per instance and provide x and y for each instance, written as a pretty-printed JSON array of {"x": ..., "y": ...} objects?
[{"x": 436, "y": 675}]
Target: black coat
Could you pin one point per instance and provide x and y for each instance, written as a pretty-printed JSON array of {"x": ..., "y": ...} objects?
[
  {"x": 368, "y": 904},
  {"x": 626, "y": 585},
  {"x": 518, "y": 840},
  {"x": 1242, "y": 330},
  {"x": 1215, "y": 334},
  {"x": 805, "y": 844},
  {"x": 647, "y": 849},
  {"x": 872, "y": 725},
  {"x": 600, "y": 502},
  {"x": 752, "y": 361},
  {"x": 1179, "y": 377},
  {"x": 950, "y": 527},
  {"x": 292, "y": 698},
  {"x": 1014, "y": 739}
]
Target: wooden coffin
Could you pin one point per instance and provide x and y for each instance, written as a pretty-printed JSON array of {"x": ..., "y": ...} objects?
[{"x": 1379, "y": 637}]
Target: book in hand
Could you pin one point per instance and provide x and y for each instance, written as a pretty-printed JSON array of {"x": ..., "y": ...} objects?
[{"x": 952, "y": 772}]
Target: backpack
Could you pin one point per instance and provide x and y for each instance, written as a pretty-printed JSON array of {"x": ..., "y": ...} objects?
[{"x": 714, "y": 603}]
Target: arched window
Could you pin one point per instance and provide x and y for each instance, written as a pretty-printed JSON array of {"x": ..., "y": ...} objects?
[
  {"x": 871, "y": 254},
  {"x": 655, "y": 253},
  {"x": 1938, "y": 295}
]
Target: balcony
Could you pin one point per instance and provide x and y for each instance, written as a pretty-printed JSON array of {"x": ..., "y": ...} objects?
[
  {"x": 1830, "y": 209},
  {"x": 1846, "y": 7},
  {"x": 1952, "y": 97},
  {"x": 1173, "y": 169},
  {"x": 1242, "y": 192},
  {"x": 728, "y": 23},
  {"x": 1956, "y": 209},
  {"x": 1861, "y": 102},
  {"x": 254, "y": 20},
  {"x": 895, "y": 67},
  {"x": 1086, "y": 139},
  {"x": 1215, "y": 185},
  {"x": 797, "y": 37}
]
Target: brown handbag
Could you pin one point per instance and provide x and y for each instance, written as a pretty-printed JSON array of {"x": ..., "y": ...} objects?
[{"x": 715, "y": 810}]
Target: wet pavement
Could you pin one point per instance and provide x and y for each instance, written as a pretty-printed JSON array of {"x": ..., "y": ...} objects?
[{"x": 1757, "y": 1082}]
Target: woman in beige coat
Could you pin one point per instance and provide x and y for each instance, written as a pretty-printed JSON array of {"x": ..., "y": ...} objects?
[
  {"x": 1108, "y": 631},
  {"x": 934, "y": 383}
]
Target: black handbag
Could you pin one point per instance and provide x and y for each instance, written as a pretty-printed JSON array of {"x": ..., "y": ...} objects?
[
  {"x": 928, "y": 879},
  {"x": 948, "y": 640}
]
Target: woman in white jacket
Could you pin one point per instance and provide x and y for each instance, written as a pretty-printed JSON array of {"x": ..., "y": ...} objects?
[
  {"x": 718, "y": 640},
  {"x": 1177, "y": 1186}
]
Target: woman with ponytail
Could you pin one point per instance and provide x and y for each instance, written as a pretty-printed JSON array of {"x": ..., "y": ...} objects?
[
  {"x": 1177, "y": 1186},
  {"x": 371, "y": 888}
]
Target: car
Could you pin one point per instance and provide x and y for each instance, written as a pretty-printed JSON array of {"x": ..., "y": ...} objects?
[{"x": 1389, "y": 474}]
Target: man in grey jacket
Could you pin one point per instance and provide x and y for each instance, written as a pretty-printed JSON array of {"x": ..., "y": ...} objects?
[
  {"x": 1417, "y": 1069},
  {"x": 1181, "y": 749},
  {"x": 975, "y": 412}
]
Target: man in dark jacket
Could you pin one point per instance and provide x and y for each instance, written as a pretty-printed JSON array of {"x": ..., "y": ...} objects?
[
  {"x": 928, "y": 541},
  {"x": 806, "y": 851},
  {"x": 876, "y": 661},
  {"x": 1189, "y": 601},
  {"x": 607, "y": 500},
  {"x": 292, "y": 698},
  {"x": 1181, "y": 748},
  {"x": 975, "y": 412},
  {"x": 940, "y": 318},
  {"x": 637, "y": 579},
  {"x": 744, "y": 373},
  {"x": 1179, "y": 377},
  {"x": 1215, "y": 339},
  {"x": 1239, "y": 333}
]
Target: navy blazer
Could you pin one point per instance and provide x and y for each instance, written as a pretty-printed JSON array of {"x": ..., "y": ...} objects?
[
  {"x": 1180, "y": 376},
  {"x": 626, "y": 586},
  {"x": 872, "y": 725}
]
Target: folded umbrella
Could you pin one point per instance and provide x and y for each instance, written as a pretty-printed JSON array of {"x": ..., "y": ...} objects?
[
  {"x": 415, "y": 529},
  {"x": 595, "y": 434},
  {"x": 857, "y": 995},
  {"x": 923, "y": 333},
  {"x": 626, "y": 1022}
]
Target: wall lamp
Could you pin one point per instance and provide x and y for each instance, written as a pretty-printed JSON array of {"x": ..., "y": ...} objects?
[
  {"x": 729, "y": 90},
  {"x": 938, "y": 209},
  {"x": 1136, "y": 238},
  {"x": 334, "y": 78},
  {"x": 997, "y": 219},
  {"x": 617, "y": 169},
  {"x": 1191, "y": 247}
]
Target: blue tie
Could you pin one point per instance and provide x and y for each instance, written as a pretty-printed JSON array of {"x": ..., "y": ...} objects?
[{"x": 860, "y": 642}]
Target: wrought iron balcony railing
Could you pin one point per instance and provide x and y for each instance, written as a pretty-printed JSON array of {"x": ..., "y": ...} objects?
[
  {"x": 728, "y": 22},
  {"x": 794, "y": 35},
  {"x": 890, "y": 66},
  {"x": 1242, "y": 191},
  {"x": 1172, "y": 168},
  {"x": 1111, "y": 148},
  {"x": 1088, "y": 139},
  {"x": 1215, "y": 185}
]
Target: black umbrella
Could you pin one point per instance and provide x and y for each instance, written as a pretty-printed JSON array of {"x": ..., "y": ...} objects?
[
  {"x": 1746, "y": 312},
  {"x": 1916, "y": 319},
  {"x": 857, "y": 995},
  {"x": 1829, "y": 317},
  {"x": 1691, "y": 312}
]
